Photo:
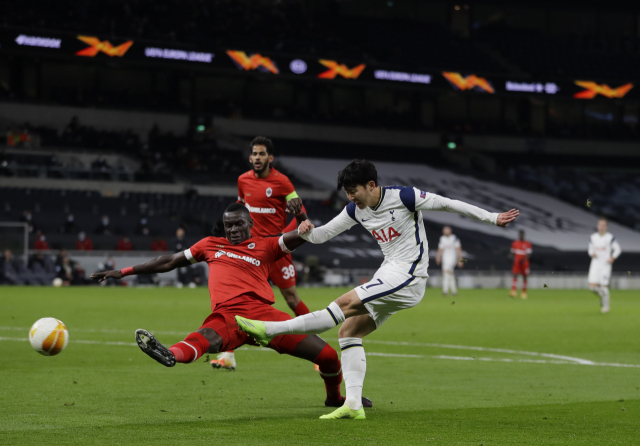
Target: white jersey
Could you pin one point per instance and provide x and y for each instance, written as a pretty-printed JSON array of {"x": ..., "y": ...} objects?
[
  {"x": 396, "y": 223},
  {"x": 604, "y": 247},
  {"x": 449, "y": 245}
]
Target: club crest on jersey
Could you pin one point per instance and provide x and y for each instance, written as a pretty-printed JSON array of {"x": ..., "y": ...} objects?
[
  {"x": 251, "y": 245},
  {"x": 269, "y": 191},
  {"x": 423, "y": 194},
  {"x": 392, "y": 217}
]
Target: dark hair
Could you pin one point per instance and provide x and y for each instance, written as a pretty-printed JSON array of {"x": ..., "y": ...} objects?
[
  {"x": 357, "y": 172},
  {"x": 237, "y": 207},
  {"x": 262, "y": 141},
  {"x": 602, "y": 217}
]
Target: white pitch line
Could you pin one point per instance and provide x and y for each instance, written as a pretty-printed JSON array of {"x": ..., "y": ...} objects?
[
  {"x": 392, "y": 355},
  {"x": 485, "y": 349}
]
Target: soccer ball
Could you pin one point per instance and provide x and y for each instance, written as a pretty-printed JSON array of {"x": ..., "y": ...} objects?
[
  {"x": 57, "y": 282},
  {"x": 48, "y": 336}
]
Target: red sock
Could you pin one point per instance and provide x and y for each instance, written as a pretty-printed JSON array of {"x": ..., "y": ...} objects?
[
  {"x": 524, "y": 284},
  {"x": 193, "y": 346},
  {"x": 331, "y": 372},
  {"x": 301, "y": 309},
  {"x": 514, "y": 284}
]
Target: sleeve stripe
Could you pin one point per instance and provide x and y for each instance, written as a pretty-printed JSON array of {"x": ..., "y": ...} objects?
[
  {"x": 189, "y": 256},
  {"x": 351, "y": 210},
  {"x": 408, "y": 198}
]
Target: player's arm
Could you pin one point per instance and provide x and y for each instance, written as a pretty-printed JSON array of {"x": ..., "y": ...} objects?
[
  {"x": 425, "y": 201},
  {"x": 592, "y": 251},
  {"x": 459, "y": 250},
  {"x": 291, "y": 239},
  {"x": 439, "y": 255},
  {"x": 340, "y": 223},
  {"x": 293, "y": 224},
  {"x": 294, "y": 203},
  {"x": 616, "y": 250},
  {"x": 160, "y": 264}
]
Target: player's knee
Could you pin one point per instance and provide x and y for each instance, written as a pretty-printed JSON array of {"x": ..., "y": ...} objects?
[
  {"x": 215, "y": 340},
  {"x": 328, "y": 360}
]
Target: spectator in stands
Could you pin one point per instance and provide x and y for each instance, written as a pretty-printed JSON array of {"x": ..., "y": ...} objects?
[
  {"x": 83, "y": 243},
  {"x": 70, "y": 225},
  {"x": 8, "y": 269},
  {"x": 100, "y": 164},
  {"x": 41, "y": 242},
  {"x": 143, "y": 227},
  {"x": 159, "y": 245},
  {"x": 65, "y": 271},
  {"x": 124, "y": 244},
  {"x": 180, "y": 243},
  {"x": 104, "y": 228},
  {"x": 28, "y": 219}
]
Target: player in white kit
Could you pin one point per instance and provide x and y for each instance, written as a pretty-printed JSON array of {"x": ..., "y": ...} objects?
[
  {"x": 603, "y": 250},
  {"x": 449, "y": 255},
  {"x": 393, "y": 217}
]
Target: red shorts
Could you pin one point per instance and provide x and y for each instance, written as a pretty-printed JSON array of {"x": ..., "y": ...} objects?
[
  {"x": 283, "y": 273},
  {"x": 223, "y": 322},
  {"x": 520, "y": 268}
]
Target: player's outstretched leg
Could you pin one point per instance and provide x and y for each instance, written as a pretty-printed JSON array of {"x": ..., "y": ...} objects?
[
  {"x": 312, "y": 323},
  {"x": 150, "y": 345}
]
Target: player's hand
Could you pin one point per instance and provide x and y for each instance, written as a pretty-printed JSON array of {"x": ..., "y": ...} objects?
[
  {"x": 102, "y": 276},
  {"x": 460, "y": 264},
  {"x": 507, "y": 217},
  {"x": 305, "y": 227},
  {"x": 438, "y": 260},
  {"x": 593, "y": 256},
  {"x": 610, "y": 261},
  {"x": 294, "y": 206}
]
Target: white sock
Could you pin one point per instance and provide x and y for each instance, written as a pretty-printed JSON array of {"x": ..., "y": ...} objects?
[
  {"x": 452, "y": 279},
  {"x": 445, "y": 283},
  {"x": 311, "y": 323},
  {"x": 354, "y": 367},
  {"x": 596, "y": 291},
  {"x": 604, "y": 296}
]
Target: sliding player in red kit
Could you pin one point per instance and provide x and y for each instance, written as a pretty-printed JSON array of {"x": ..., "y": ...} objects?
[
  {"x": 269, "y": 196},
  {"x": 239, "y": 266}
]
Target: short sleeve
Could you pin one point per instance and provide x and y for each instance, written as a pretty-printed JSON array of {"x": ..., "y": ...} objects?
[
  {"x": 457, "y": 243},
  {"x": 274, "y": 248},
  {"x": 197, "y": 253},
  {"x": 440, "y": 243},
  {"x": 240, "y": 192},
  {"x": 287, "y": 186}
]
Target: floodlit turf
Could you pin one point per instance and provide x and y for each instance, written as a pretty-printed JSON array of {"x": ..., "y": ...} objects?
[{"x": 531, "y": 380}]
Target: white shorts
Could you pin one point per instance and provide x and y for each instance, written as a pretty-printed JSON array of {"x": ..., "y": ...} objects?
[
  {"x": 449, "y": 264},
  {"x": 600, "y": 273},
  {"x": 390, "y": 291}
]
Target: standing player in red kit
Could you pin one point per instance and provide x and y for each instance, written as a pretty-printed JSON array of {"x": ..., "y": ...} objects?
[
  {"x": 269, "y": 196},
  {"x": 239, "y": 266},
  {"x": 520, "y": 251}
]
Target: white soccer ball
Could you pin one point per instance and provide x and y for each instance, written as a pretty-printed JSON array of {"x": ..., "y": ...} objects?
[
  {"x": 48, "y": 336},
  {"x": 57, "y": 282}
]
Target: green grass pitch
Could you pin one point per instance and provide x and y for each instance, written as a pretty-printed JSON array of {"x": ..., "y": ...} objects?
[{"x": 477, "y": 369}]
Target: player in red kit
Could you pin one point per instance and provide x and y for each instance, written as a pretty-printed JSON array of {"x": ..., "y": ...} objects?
[
  {"x": 520, "y": 251},
  {"x": 239, "y": 266},
  {"x": 269, "y": 196}
]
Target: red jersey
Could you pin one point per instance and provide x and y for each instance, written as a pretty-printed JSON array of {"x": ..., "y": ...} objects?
[
  {"x": 237, "y": 270},
  {"x": 520, "y": 249},
  {"x": 266, "y": 200}
]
